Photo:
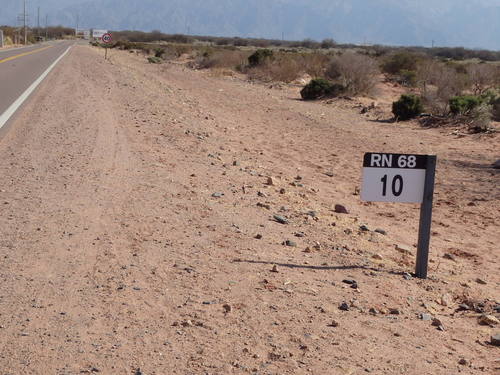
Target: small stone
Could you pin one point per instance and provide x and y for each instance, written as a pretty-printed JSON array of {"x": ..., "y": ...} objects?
[
  {"x": 333, "y": 324},
  {"x": 282, "y": 191},
  {"x": 349, "y": 281},
  {"x": 290, "y": 243},
  {"x": 227, "y": 308},
  {"x": 344, "y": 306},
  {"x": 437, "y": 323},
  {"x": 488, "y": 320},
  {"x": 394, "y": 311},
  {"x": 481, "y": 281},
  {"x": 381, "y": 231},
  {"x": 275, "y": 269},
  {"x": 426, "y": 317},
  {"x": 496, "y": 165},
  {"x": 446, "y": 300},
  {"x": 217, "y": 195},
  {"x": 449, "y": 256},
  {"x": 340, "y": 209},
  {"x": 373, "y": 311},
  {"x": 463, "y": 362},
  {"x": 236, "y": 163},
  {"x": 407, "y": 276},
  {"x": 404, "y": 249},
  {"x": 270, "y": 181},
  {"x": 299, "y": 234},
  {"x": 307, "y": 250},
  {"x": 280, "y": 219},
  {"x": 138, "y": 372},
  {"x": 258, "y": 236},
  {"x": 463, "y": 307},
  {"x": 329, "y": 174},
  {"x": 364, "y": 228},
  {"x": 377, "y": 257},
  {"x": 495, "y": 339}
]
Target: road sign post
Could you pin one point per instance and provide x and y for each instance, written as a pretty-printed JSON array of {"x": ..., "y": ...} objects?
[
  {"x": 424, "y": 231},
  {"x": 106, "y": 39},
  {"x": 403, "y": 178}
]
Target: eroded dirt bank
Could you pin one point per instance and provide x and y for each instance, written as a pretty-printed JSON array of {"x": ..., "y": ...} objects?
[{"x": 133, "y": 198}]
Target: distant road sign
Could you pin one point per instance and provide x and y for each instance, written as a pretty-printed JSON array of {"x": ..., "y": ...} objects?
[
  {"x": 106, "y": 38},
  {"x": 98, "y": 33},
  {"x": 393, "y": 178}
]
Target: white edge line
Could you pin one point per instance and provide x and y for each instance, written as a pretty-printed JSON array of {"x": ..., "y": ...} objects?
[{"x": 4, "y": 117}]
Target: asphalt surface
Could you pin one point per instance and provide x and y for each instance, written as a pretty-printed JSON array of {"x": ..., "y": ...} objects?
[{"x": 20, "y": 67}]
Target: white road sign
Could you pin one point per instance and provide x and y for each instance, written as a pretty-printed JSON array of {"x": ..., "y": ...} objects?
[
  {"x": 393, "y": 178},
  {"x": 98, "y": 33}
]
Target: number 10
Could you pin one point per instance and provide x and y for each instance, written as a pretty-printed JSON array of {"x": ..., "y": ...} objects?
[{"x": 397, "y": 185}]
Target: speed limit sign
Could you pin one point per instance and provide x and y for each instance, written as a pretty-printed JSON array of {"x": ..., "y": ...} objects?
[
  {"x": 106, "y": 38},
  {"x": 403, "y": 178}
]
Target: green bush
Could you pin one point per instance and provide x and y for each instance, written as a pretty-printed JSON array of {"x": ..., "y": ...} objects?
[
  {"x": 159, "y": 52},
  {"x": 320, "y": 88},
  {"x": 462, "y": 105},
  {"x": 154, "y": 60},
  {"x": 408, "y": 78},
  {"x": 407, "y": 107},
  {"x": 400, "y": 61},
  {"x": 259, "y": 57}
]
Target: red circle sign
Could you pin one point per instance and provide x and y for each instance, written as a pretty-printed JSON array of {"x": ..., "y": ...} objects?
[{"x": 106, "y": 38}]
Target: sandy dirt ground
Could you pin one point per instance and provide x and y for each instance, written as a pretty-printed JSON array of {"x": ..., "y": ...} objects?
[{"x": 137, "y": 233}]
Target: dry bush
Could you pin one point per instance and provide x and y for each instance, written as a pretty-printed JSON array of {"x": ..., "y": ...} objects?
[
  {"x": 314, "y": 64},
  {"x": 221, "y": 59},
  {"x": 482, "y": 77},
  {"x": 358, "y": 73},
  {"x": 282, "y": 69}
]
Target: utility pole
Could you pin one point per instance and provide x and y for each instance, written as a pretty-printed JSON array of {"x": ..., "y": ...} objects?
[
  {"x": 77, "y": 20},
  {"x": 46, "y": 27},
  {"x": 25, "y": 16},
  {"x": 38, "y": 23}
]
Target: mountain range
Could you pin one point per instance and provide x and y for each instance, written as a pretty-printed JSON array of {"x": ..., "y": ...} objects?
[{"x": 468, "y": 23}]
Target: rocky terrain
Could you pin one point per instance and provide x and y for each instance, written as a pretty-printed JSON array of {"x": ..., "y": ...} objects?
[{"x": 160, "y": 220}]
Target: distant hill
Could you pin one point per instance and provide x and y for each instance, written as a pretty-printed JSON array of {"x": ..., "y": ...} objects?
[{"x": 468, "y": 23}]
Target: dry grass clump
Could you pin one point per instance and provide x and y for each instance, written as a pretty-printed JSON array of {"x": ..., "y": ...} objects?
[
  {"x": 222, "y": 58},
  {"x": 357, "y": 73},
  {"x": 280, "y": 69}
]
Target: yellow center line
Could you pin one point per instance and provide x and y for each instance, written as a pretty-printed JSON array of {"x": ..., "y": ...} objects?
[{"x": 24, "y": 54}]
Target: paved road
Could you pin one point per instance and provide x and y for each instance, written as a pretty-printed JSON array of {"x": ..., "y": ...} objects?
[{"x": 21, "y": 67}]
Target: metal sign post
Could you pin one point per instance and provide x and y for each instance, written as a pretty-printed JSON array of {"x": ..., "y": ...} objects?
[
  {"x": 424, "y": 231},
  {"x": 106, "y": 39},
  {"x": 405, "y": 179}
]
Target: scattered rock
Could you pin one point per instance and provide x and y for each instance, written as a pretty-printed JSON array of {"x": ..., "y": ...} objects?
[
  {"x": 364, "y": 228},
  {"x": 258, "y": 236},
  {"x": 282, "y": 191},
  {"x": 446, "y": 300},
  {"x": 373, "y": 311},
  {"x": 227, "y": 308},
  {"x": 275, "y": 269},
  {"x": 290, "y": 243},
  {"x": 394, "y": 311},
  {"x": 377, "y": 256},
  {"x": 495, "y": 340},
  {"x": 236, "y": 163},
  {"x": 481, "y": 281},
  {"x": 263, "y": 205},
  {"x": 437, "y": 323},
  {"x": 307, "y": 250},
  {"x": 138, "y": 372},
  {"x": 344, "y": 306},
  {"x": 299, "y": 234},
  {"x": 426, "y": 317},
  {"x": 329, "y": 174},
  {"x": 381, "y": 231},
  {"x": 270, "y": 181},
  {"x": 217, "y": 195},
  {"x": 340, "y": 209},
  {"x": 463, "y": 307},
  {"x": 333, "y": 324},
  {"x": 488, "y": 320},
  {"x": 463, "y": 362},
  {"x": 449, "y": 256},
  {"x": 496, "y": 165},
  {"x": 407, "y": 276},
  {"x": 404, "y": 249},
  {"x": 280, "y": 219}
]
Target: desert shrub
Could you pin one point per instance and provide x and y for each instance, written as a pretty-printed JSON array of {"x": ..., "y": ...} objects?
[
  {"x": 407, "y": 107},
  {"x": 154, "y": 60},
  {"x": 259, "y": 57},
  {"x": 221, "y": 59},
  {"x": 482, "y": 77},
  {"x": 408, "y": 78},
  {"x": 399, "y": 61},
  {"x": 328, "y": 43},
  {"x": 315, "y": 64},
  {"x": 357, "y": 73},
  {"x": 159, "y": 52},
  {"x": 282, "y": 68},
  {"x": 320, "y": 88},
  {"x": 480, "y": 118},
  {"x": 462, "y": 105},
  {"x": 495, "y": 109}
]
